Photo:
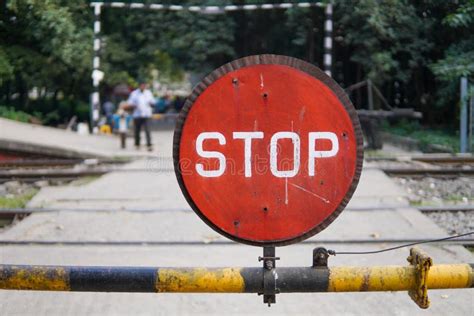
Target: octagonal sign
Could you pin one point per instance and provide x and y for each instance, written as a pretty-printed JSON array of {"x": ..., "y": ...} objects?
[{"x": 268, "y": 150}]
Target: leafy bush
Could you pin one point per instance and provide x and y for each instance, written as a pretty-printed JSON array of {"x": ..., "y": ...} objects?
[
  {"x": 12, "y": 114},
  {"x": 426, "y": 136},
  {"x": 82, "y": 111}
]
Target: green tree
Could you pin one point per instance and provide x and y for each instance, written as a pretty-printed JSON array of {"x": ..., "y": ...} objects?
[
  {"x": 459, "y": 56},
  {"x": 43, "y": 46},
  {"x": 170, "y": 41},
  {"x": 387, "y": 38}
]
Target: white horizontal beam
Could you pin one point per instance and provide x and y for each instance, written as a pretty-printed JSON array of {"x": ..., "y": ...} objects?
[{"x": 206, "y": 9}]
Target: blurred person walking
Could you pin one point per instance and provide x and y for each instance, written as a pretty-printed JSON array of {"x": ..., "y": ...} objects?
[
  {"x": 141, "y": 101},
  {"x": 121, "y": 123},
  {"x": 109, "y": 109}
]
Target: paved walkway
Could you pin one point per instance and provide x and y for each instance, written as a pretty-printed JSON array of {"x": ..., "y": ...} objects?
[
  {"x": 173, "y": 221},
  {"x": 24, "y": 137}
]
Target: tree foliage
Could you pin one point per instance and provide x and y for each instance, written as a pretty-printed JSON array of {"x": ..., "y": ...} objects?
[
  {"x": 137, "y": 41},
  {"x": 44, "y": 47},
  {"x": 459, "y": 56},
  {"x": 391, "y": 40},
  {"x": 414, "y": 51}
]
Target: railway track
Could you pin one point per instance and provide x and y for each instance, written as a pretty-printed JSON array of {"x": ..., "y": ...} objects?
[
  {"x": 428, "y": 165},
  {"x": 31, "y": 210},
  {"x": 429, "y": 158},
  {"x": 380, "y": 241},
  {"x": 32, "y": 170},
  {"x": 429, "y": 172},
  {"x": 29, "y": 176},
  {"x": 8, "y": 214},
  {"x": 33, "y": 175},
  {"x": 51, "y": 163},
  {"x": 432, "y": 165}
]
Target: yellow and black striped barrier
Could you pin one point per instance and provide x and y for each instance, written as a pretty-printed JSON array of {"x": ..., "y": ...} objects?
[
  {"x": 228, "y": 280},
  {"x": 236, "y": 280}
]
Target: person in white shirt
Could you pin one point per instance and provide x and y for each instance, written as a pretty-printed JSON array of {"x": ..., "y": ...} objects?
[{"x": 142, "y": 100}]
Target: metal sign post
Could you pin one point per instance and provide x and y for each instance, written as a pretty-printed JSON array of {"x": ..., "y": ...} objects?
[{"x": 463, "y": 133}]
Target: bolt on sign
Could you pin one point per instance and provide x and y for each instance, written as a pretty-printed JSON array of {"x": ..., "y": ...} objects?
[{"x": 268, "y": 150}]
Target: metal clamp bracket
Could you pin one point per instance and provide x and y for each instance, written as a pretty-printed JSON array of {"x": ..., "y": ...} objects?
[
  {"x": 320, "y": 257},
  {"x": 269, "y": 275},
  {"x": 422, "y": 263}
]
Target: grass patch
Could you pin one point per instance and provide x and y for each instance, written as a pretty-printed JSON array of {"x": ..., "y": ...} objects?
[
  {"x": 418, "y": 203},
  {"x": 425, "y": 136},
  {"x": 83, "y": 181},
  {"x": 371, "y": 153},
  {"x": 17, "y": 201}
]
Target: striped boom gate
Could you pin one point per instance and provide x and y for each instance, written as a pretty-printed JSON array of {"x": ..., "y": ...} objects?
[
  {"x": 228, "y": 280},
  {"x": 239, "y": 280}
]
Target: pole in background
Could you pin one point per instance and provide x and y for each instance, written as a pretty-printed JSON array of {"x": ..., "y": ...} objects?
[
  {"x": 97, "y": 75},
  {"x": 463, "y": 116},
  {"x": 370, "y": 95},
  {"x": 471, "y": 120},
  {"x": 328, "y": 40}
]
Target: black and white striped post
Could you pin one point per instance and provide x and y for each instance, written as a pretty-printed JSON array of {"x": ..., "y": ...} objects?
[
  {"x": 97, "y": 74},
  {"x": 328, "y": 40}
]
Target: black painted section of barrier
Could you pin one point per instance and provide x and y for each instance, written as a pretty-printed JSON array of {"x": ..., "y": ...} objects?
[
  {"x": 472, "y": 273},
  {"x": 302, "y": 280},
  {"x": 253, "y": 279},
  {"x": 116, "y": 279},
  {"x": 289, "y": 280}
]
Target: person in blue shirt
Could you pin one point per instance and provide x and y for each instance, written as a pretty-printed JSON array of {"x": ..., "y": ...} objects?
[
  {"x": 108, "y": 109},
  {"x": 161, "y": 104},
  {"x": 141, "y": 101}
]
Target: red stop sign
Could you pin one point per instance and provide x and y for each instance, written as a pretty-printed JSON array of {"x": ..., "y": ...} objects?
[{"x": 268, "y": 150}]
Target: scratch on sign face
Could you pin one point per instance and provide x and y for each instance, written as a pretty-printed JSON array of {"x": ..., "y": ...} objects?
[
  {"x": 261, "y": 81},
  {"x": 312, "y": 193}
]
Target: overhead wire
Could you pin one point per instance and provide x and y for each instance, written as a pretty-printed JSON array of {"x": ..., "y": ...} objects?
[{"x": 334, "y": 252}]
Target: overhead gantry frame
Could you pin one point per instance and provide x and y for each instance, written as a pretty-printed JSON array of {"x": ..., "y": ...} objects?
[{"x": 97, "y": 75}]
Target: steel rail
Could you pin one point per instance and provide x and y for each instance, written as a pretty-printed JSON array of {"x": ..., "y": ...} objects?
[
  {"x": 39, "y": 178},
  {"x": 446, "y": 208},
  {"x": 32, "y": 210},
  {"x": 466, "y": 159},
  {"x": 378, "y": 241},
  {"x": 432, "y": 172},
  {"x": 58, "y": 162},
  {"x": 67, "y": 174}
]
